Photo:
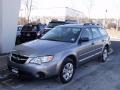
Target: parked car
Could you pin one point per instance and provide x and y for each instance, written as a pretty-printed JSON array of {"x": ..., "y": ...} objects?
[
  {"x": 53, "y": 24},
  {"x": 19, "y": 28},
  {"x": 60, "y": 51},
  {"x": 30, "y": 32}
]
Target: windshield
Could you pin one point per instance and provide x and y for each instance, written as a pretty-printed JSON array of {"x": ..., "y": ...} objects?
[
  {"x": 63, "y": 34},
  {"x": 52, "y": 25}
]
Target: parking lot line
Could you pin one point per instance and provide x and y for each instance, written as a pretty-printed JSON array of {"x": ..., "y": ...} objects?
[{"x": 12, "y": 83}]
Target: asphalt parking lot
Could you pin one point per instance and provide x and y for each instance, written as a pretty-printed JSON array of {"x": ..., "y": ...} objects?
[{"x": 90, "y": 76}]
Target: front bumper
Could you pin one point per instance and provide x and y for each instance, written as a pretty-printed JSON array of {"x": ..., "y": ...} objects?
[{"x": 39, "y": 71}]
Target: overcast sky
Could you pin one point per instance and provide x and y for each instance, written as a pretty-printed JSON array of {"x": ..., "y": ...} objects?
[{"x": 96, "y": 7}]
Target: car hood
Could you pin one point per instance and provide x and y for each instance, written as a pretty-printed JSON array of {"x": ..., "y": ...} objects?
[{"x": 41, "y": 48}]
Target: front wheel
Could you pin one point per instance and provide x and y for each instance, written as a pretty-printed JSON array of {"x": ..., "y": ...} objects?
[{"x": 67, "y": 70}]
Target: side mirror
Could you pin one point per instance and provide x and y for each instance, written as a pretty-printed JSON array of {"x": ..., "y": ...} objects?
[{"x": 83, "y": 39}]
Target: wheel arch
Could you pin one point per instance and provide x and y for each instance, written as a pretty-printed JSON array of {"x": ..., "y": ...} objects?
[
  {"x": 108, "y": 47},
  {"x": 71, "y": 56}
]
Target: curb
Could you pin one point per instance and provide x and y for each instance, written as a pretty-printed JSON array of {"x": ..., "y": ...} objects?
[
  {"x": 115, "y": 38},
  {"x": 4, "y": 54}
]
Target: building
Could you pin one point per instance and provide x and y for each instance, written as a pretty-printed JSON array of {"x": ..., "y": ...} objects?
[
  {"x": 45, "y": 15},
  {"x": 9, "y": 11}
]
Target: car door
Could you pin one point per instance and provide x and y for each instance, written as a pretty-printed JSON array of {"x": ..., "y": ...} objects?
[
  {"x": 85, "y": 48},
  {"x": 97, "y": 40}
]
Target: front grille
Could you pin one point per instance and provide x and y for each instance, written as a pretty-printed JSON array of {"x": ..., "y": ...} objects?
[{"x": 18, "y": 59}]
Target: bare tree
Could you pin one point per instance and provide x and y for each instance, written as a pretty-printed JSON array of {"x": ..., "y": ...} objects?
[{"x": 28, "y": 8}]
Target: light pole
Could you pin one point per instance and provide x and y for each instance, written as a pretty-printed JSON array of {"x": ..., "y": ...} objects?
[{"x": 105, "y": 18}]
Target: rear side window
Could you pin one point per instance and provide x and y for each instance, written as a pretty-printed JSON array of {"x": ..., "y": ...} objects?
[
  {"x": 102, "y": 31},
  {"x": 86, "y": 33},
  {"x": 96, "y": 33}
]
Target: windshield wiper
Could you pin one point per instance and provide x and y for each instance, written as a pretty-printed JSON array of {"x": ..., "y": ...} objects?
[
  {"x": 50, "y": 39},
  {"x": 56, "y": 40}
]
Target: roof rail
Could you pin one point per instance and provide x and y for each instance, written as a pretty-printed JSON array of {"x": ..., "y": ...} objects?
[{"x": 91, "y": 24}]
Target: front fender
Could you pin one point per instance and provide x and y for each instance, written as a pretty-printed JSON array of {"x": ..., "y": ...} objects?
[{"x": 62, "y": 57}]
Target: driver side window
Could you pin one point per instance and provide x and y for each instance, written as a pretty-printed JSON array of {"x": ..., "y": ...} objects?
[{"x": 86, "y": 33}]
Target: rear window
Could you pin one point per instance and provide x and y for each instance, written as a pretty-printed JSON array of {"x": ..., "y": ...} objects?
[
  {"x": 53, "y": 24},
  {"x": 29, "y": 28}
]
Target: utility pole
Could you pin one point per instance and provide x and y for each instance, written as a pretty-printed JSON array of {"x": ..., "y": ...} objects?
[
  {"x": 117, "y": 24},
  {"x": 105, "y": 18}
]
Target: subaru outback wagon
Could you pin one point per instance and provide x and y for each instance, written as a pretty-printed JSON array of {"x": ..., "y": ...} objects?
[{"x": 60, "y": 51}]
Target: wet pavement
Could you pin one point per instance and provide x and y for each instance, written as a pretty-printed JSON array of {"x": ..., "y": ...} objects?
[{"x": 90, "y": 76}]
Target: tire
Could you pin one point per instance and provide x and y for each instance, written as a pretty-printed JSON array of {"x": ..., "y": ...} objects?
[
  {"x": 104, "y": 56},
  {"x": 67, "y": 71}
]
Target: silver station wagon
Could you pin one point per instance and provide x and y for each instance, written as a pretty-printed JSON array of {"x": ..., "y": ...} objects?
[{"x": 60, "y": 51}]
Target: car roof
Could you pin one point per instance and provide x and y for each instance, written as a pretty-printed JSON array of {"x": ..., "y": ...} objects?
[
  {"x": 80, "y": 25},
  {"x": 57, "y": 22}
]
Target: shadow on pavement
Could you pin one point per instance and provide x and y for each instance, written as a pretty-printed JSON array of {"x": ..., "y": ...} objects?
[{"x": 115, "y": 45}]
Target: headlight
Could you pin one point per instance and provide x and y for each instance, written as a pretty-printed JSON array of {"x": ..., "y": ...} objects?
[{"x": 40, "y": 60}]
